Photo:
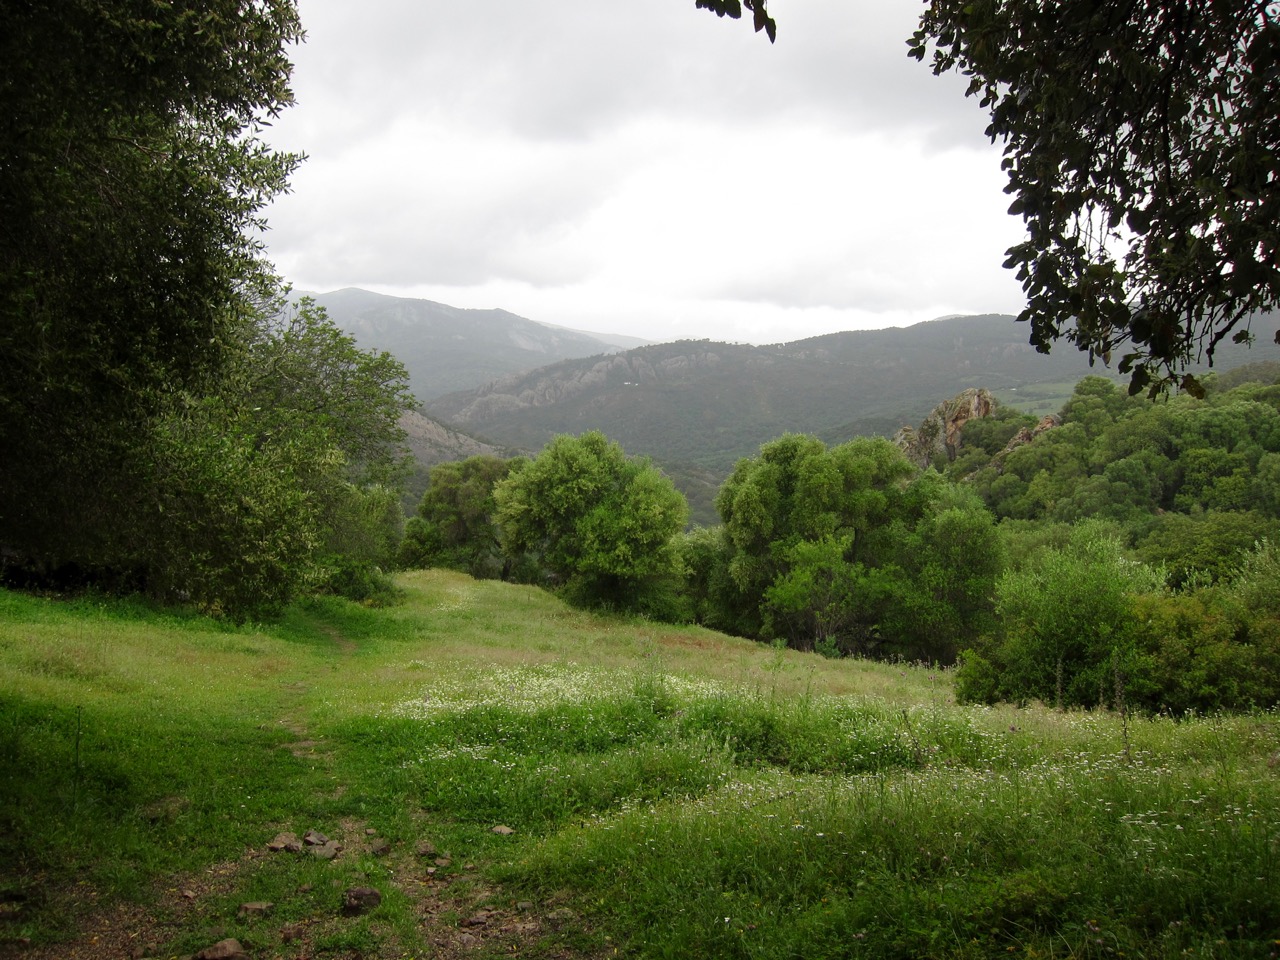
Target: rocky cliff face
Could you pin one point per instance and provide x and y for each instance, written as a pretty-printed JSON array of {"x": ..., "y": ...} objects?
[
  {"x": 432, "y": 442},
  {"x": 1025, "y": 436},
  {"x": 940, "y": 432}
]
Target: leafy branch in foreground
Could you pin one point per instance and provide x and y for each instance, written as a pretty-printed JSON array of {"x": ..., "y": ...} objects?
[
  {"x": 1142, "y": 146},
  {"x": 733, "y": 8}
]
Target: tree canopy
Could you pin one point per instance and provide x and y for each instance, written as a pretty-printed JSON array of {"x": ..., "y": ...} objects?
[
  {"x": 1142, "y": 145},
  {"x": 167, "y": 424},
  {"x": 597, "y": 520},
  {"x": 132, "y": 180}
]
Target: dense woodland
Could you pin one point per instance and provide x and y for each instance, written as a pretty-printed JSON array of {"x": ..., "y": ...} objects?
[{"x": 1122, "y": 553}]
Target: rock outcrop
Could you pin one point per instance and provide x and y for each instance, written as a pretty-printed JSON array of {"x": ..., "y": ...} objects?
[{"x": 940, "y": 432}]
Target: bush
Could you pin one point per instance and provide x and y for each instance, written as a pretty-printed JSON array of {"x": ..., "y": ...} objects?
[{"x": 1065, "y": 623}]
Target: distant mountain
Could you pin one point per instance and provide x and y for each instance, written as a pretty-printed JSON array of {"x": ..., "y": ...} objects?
[
  {"x": 446, "y": 349},
  {"x": 696, "y": 407},
  {"x": 710, "y": 403}
]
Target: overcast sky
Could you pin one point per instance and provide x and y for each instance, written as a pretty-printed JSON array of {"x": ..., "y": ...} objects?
[{"x": 642, "y": 168}]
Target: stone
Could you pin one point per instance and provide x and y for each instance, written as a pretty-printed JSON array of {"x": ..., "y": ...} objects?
[
  {"x": 328, "y": 850},
  {"x": 223, "y": 950},
  {"x": 314, "y": 838},
  {"x": 380, "y": 848},
  {"x": 503, "y": 830},
  {"x": 524, "y": 906},
  {"x": 443, "y": 861},
  {"x": 256, "y": 908},
  {"x": 360, "y": 900},
  {"x": 291, "y": 932},
  {"x": 426, "y": 848},
  {"x": 287, "y": 842}
]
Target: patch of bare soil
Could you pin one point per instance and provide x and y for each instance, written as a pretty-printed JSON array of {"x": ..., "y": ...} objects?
[{"x": 459, "y": 916}]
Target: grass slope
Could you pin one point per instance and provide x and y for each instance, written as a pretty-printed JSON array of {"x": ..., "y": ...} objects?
[{"x": 672, "y": 792}]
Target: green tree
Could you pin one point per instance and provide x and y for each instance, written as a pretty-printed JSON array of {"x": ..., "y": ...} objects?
[
  {"x": 454, "y": 525},
  {"x": 132, "y": 180},
  {"x": 1141, "y": 144},
  {"x": 299, "y": 369},
  {"x": 798, "y": 490},
  {"x": 949, "y": 564},
  {"x": 599, "y": 522},
  {"x": 281, "y": 480},
  {"x": 815, "y": 601},
  {"x": 301, "y": 384},
  {"x": 1205, "y": 545},
  {"x": 1065, "y": 618},
  {"x": 704, "y": 554}
]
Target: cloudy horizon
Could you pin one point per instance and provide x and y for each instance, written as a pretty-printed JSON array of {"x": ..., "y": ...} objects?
[{"x": 641, "y": 169}]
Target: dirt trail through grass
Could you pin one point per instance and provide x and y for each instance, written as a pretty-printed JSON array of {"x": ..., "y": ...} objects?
[{"x": 434, "y": 901}]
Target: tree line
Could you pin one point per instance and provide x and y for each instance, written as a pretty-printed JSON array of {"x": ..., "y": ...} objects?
[
  {"x": 1126, "y": 555},
  {"x": 170, "y": 423}
]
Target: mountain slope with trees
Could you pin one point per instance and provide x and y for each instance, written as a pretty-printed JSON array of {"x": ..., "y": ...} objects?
[
  {"x": 696, "y": 407},
  {"x": 446, "y": 348}
]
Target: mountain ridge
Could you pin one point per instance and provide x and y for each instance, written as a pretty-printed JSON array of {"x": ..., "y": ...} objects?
[
  {"x": 697, "y": 406},
  {"x": 447, "y": 348}
]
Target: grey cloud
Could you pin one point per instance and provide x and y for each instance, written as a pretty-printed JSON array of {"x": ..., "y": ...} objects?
[{"x": 575, "y": 68}]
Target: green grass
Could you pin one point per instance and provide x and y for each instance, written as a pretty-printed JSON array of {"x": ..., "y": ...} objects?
[{"x": 683, "y": 793}]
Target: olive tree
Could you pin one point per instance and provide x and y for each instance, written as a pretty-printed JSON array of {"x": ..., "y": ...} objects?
[{"x": 599, "y": 522}]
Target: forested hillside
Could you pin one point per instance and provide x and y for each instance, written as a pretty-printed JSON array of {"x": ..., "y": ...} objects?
[
  {"x": 1122, "y": 551},
  {"x": 696, "y": 407},
  {"x": 446, "y": 349}
]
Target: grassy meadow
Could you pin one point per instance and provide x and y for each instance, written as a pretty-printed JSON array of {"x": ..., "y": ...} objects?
[{"x": 665, "y": 792}]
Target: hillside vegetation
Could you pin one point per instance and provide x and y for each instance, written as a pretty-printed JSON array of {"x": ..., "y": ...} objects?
[
  {"x": 696, "y": 407},
  {"x": 663, "y": 791},
  {"x": 449, "y": 348}
]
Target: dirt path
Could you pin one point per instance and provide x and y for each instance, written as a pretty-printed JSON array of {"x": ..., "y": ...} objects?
[{"x": 455, "y": 909}]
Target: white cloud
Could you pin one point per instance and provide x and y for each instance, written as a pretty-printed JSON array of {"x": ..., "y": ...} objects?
[{"x": 641, "y": 168}]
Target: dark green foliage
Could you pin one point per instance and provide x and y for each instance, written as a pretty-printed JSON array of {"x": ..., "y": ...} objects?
[
  {"x": 840, "y": 549},
  {"x": 1141, "y": 148},
  {"x": 454, "y": 525},
  {"x": 733, "y": 8},
  {"x": 797, "y": 491},
  {"x": 1064, "y": 625},
  {"x": 167, "y": 426},
  {"x": 1206, "y": 545},
  {"x": 281, "y": 481},
  {"x": 131, "y": 183},
  {"x": 600, "y": 523},
  {"x": 1211, "y": 648},
  {"x": 1082, "y": 625},
  {"x": 950, "y": 562},
  {"x": 1127, "y": 459},
  {"x": 704, "y": 554}
]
